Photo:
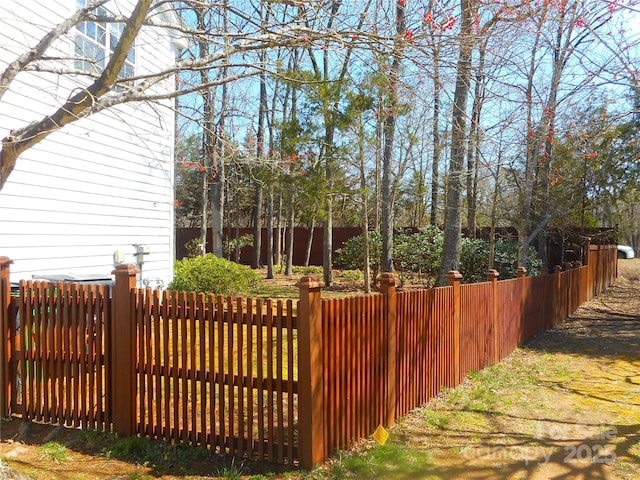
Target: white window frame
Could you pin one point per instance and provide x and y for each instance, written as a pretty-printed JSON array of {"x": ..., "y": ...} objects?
[{"x": 95, "y": 43}]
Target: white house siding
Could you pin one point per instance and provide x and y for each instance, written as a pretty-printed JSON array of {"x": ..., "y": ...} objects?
[{"x": 99, "y": 185}]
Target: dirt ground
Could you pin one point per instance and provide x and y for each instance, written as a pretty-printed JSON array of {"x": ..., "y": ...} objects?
[{"x": 567, "y": 405}]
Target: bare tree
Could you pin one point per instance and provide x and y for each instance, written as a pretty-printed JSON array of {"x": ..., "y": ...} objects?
[
  {"x": 451, "y": 247},
  {"x": 234, "y": 42}
]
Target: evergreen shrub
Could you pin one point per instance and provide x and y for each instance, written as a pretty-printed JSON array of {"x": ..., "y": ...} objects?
[
  {"x": 420, "y": 253},
  {"x": 210, "y": 274}
]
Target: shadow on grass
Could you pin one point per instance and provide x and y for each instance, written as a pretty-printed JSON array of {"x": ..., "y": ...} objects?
[
  {"x": 608, "y": 337},
  {"x": 146, "y": 457},
  {"x": 557, "y": 450}
]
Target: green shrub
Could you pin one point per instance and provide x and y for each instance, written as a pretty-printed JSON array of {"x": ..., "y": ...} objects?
[
  {"x": 474, "y": 259},
  {"x": 419, "y": 253},
  {"x": 350, "y": 256},
  {"x": 210, "y": 274},
  {"x": 413, "y": 253},
  {"x": 194, "y": 248}
]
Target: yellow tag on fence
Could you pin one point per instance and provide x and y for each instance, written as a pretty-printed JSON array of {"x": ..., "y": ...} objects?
[{"x": 381, "y": 435}]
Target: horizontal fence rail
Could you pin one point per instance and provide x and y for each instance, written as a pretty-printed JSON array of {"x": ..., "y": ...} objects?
[{"x": 284, "y": 381}]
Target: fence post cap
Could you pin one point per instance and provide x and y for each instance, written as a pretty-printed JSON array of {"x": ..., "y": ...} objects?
[
  {"x": 4, "y": 261},
  {"x": 388, "y": 277},
  {"x": 309, "y": 282},
  {"x": 492, "y": 273},
  {"x": 127, "y": 268},
  {"x": 521, "y": 271},
  {"x": 454, "y": 275}
]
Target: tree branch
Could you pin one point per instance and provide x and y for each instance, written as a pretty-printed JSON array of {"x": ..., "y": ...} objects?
[
  {"x": 80, "y": 103},
  {"x": 38, "y": 51}
]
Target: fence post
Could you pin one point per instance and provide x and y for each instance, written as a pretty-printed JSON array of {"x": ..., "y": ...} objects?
[
  {"x": 492, "y": 276},
  {"x": 561, "y": 299},
  {"x": 588, "y": 263},
  {"x": 586, "y": 250},
  {"x": 123, "y": 370},
  {"x": 388, "y": 288},
  {"x": 453, "y": 280},
  {"x": 544, "y": 272},
  {"x": 5, "y": 345},
  {"x": 521, "y": 272},
  {"x": 311, "y": 445}
]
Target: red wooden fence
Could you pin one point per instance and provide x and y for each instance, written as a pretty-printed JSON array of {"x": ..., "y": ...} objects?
[
  {"x": 283, "y": 381},
  {"x": 384, "y": 355}
]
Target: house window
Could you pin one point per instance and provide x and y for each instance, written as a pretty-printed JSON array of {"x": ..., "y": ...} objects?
[{"x": 95, "y": 43}]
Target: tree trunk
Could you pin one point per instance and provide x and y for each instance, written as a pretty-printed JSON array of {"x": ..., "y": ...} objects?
[
  {"x": 292, "y": 218},
  {"x": 270, "y": 234},
  {"x": 278, "y": 245},
  {"x": 327, "y": 240},
  {"x": 237, "y": 235},
  {"x": 366, "y": 271},
  {"x": 208, "y": 133},
  {"x": 218, "y": 173},
  {"x": 256, "y": 260},
  {"x": 327, "y": 243},
  {"x": 203, "y": 215},
  {"x": 474, "y": 146},
  {"x": 451, "y": 247},
  {"x": 435, "y": 167},
  {"x": 217, "y": 207},
  {"x": 389, "y": 134},
  {"x": 331, "y": 107},
  {"x": 494, "y": 208},
  {"x": 217, "y": 182},
  {"x": 310, "y": 242}
]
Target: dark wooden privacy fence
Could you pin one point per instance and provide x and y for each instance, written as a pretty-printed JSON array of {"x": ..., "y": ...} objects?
[{"x": 285, "y": 381}]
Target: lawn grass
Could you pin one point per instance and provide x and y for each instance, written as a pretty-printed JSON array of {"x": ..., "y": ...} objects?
[{"x": 54, "y": 452}]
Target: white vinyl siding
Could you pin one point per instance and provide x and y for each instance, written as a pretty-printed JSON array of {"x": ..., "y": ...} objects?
[{"x": 101, "y": 184}]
